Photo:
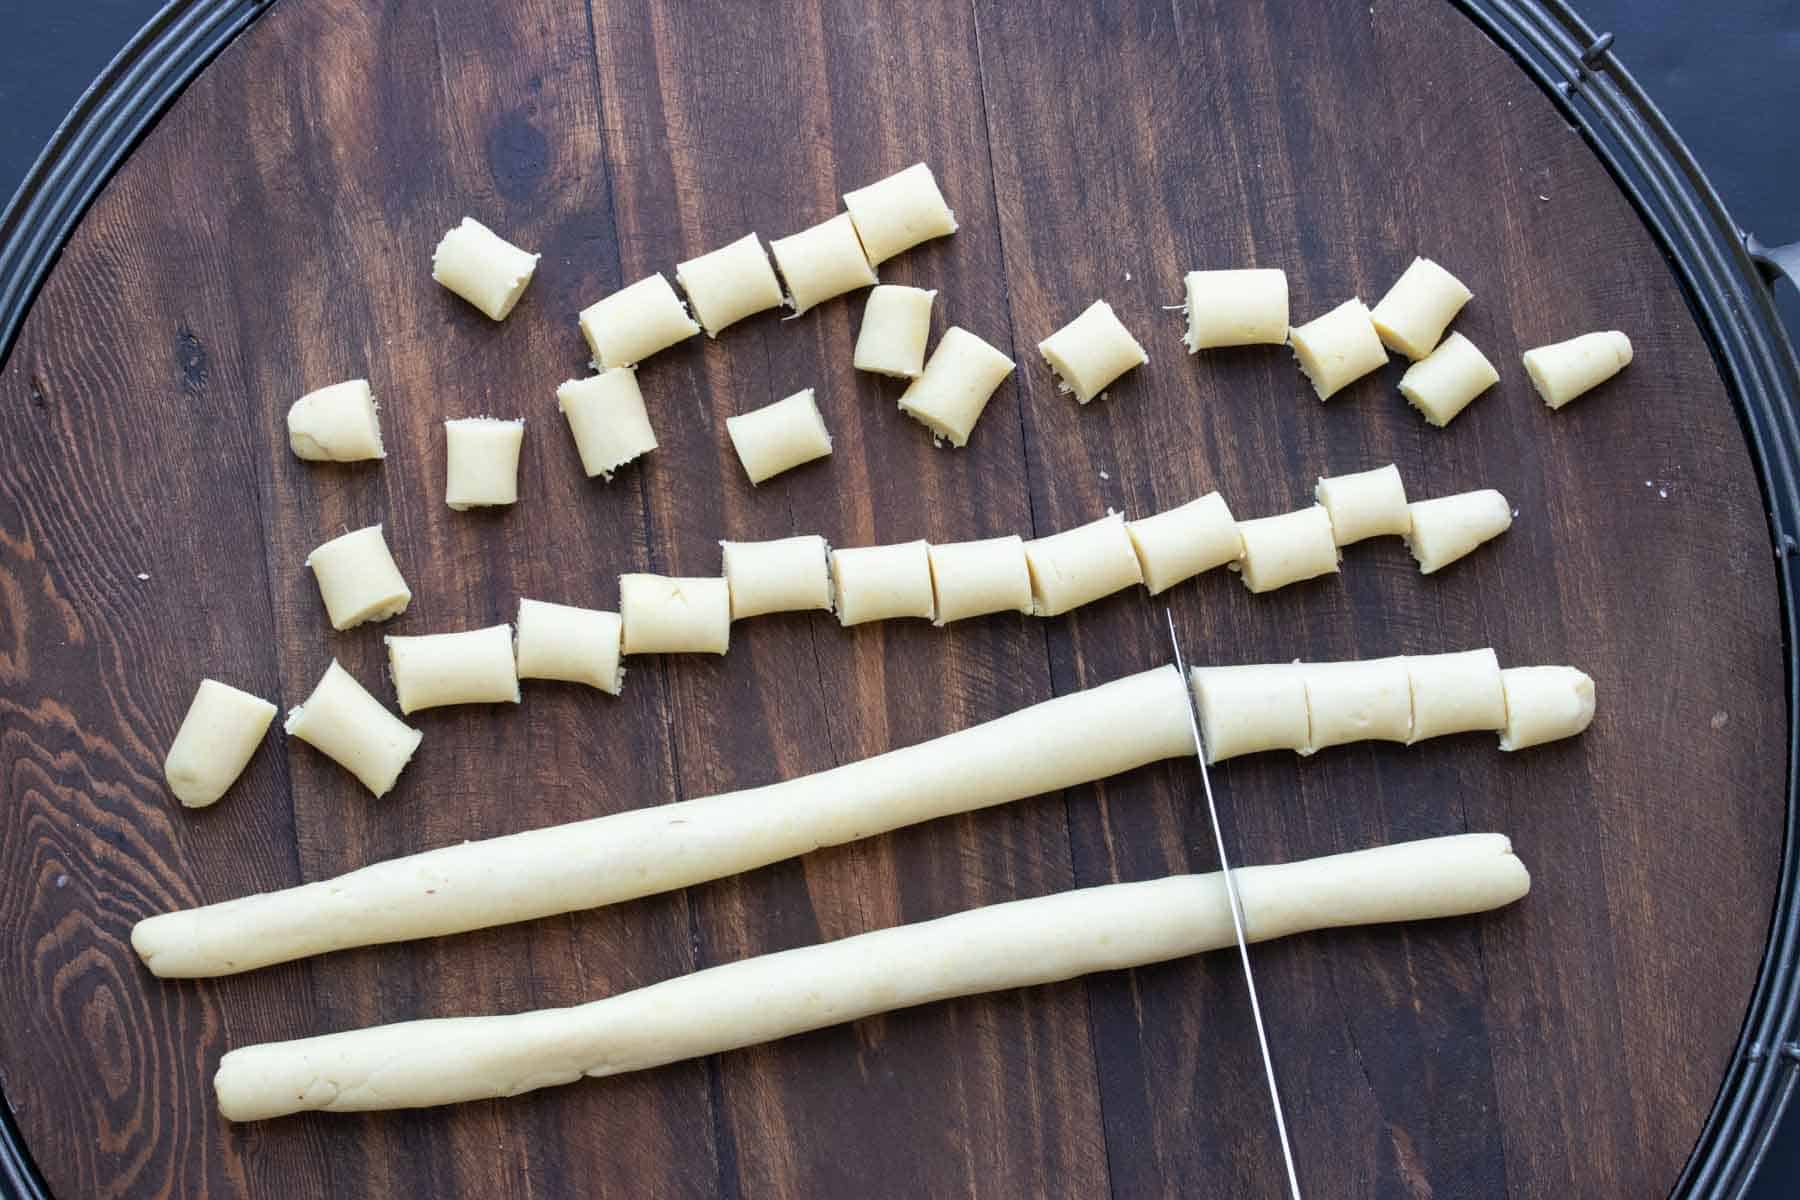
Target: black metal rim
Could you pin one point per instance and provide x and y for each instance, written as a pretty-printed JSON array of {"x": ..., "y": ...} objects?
[{"x": 1553, "y": 46}]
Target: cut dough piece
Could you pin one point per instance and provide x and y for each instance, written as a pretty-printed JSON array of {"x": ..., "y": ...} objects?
[
  {"x": 358, "y": 579},
  {"x": 1286, "y": 549},
  {"x": 787, "y": 575},
  {"x": 1445, "y": 529},
  {"x": 1412, "y": 317},
  {"x": 336, "y": 424},
  {"x": 222, "y": 729},
  {"x": 1442, "y": 384},
  {"x": 576, "y": 645},
  {"x": 1091, "y": 351},
  {"x": 1544, "y": 704},
  {"x": 956, "y": 385},
  {"x": 822, "y": 262},
  {"x": 1003, "y": 946},
  {"x": 1565, "y": 370},
  {"x": 1246, "y": 307},
  {"x": 666, "y": 615},
  {"x": 474, "y": 666},
  {"x": 1182, "y": 542},
  {"x": 1455, "y": 693},
  {"x": 780, "y": 436},
  {"x": 1339, "y": 348},
  {"x": 895, "y": 327},
  {"x": 481, "y": 462},
  {"x": 879, "y": 583},
  {"x": 1361, "y": 700},
  {"x": 1365, "y": 505},
  {"x": 899, "y": 212},
  {"x": 729, "y": 284},
  {"x": 635, "y": 322},
  {"x": 607, "y": 418},
  {"x": 972, "y": 579},
  {"x": 1245, "y": 710},
  {"x": 1080, "y": 565},
  {"x": 345, "y": 723},
  {"x": 482, "y": 267}
]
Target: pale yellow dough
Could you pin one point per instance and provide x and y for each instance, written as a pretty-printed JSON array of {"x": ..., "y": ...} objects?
[
  {"x": 1565, "y": 370},
  {"x": 779, "y": 437},
  {"x": 358, "y": 579},
  {"x": 822, "y": 262},
  {"x": 666, "y": 615},
  {"x": 1455, "y": 693},
  {"x": 1080, "y": 565},
  {"x": 481, "y": 462},
  {"x": 483, "y": 268},
  {"x": 1363, "y": 700},
  {"x": 222, "y": 729},
  {"x": 1445, "y": 529},
  {"x": 895, "y": 327},
  {"x": 607, "y": 419},
  {"x": 1442, "y": 384},
  {"x": 786, "y": 575},
  {"x": 635, "y": 322},
  {"x": 1092, "y": 351},
  {"x": 1248, "y": 709},
  {"x": 336, "y": 424},
  {"x": 1545, "y": 704},
  {"x": 956, "y": 385},
  {"x": 729, "y": 284},
  {"x": 973, "y": 579},
  {"x": 879, "y": 583},
  {"x": 474, "y": 666},
  {"x": 1365, "y": 505},
  {"x": 1287, "y": 548},
  {"x": 1337, "y": 349},
  {"x": 899, "y": 212},
  {"x": 575, "y": 645},
  {"x": 1246, "y": 307},
  {"x": 1412, "y": 317},
  {"x": 1183, "y": 542},
  {"x": 345, "y": 723}
]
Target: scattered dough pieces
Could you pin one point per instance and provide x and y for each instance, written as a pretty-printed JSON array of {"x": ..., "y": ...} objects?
[
  {"x": 1455, "y": 693},
  {"x": 358, "y": 579},
  {"x": 1247, "y": 307},
  {"x": 607, "y": 418},
  {"x": 1442, "y": 384},
  {"x": 481, "y": 462},
  {"x": 822, "y": 262},
  {"x": 956, "y": 385},
  {"x": 482, "y": 267},
  {"x": 1544, "y": 704},
  {"x": 895, "y": 327},
  {"x": 972, "y": 579},
  {"x": 729, "y": 284},
  {"x": 879, "y": 583},
  {"x": 780, "y": 436},
  {"x": 1568, "y": 369},
  {"x": 575, "y": 645},
  {"x": 472, "y": 667},
  {"x": 1080, "y": 565},
  {"x": 1355, "y": 701},
  {"x": 1287, "y": 549},
  {"x": 1339, "y": 348},
  {"x": 1183, "y": 542},
  {"x": 222, "y": 729},
  {"x": 1445, "y": 529},
  {"x": 336, "y": 424},
  {"x": 786, "y": 575},
  {"x": 1245, "y": 710},
  {"x": 352, "y": 728},
  {"x": 899, "y": 212},
  {"x": 635, "y": 322},
  {"x": 1365, "y": 505},
  {"x": 1091, "y": 351},
  {"x": 665, "y": 615},
  {"x": 1413, "y": 315}
]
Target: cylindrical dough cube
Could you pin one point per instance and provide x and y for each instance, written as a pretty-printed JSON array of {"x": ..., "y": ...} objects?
[
  {"x": 1080, "y": 565},
  {"x": 1442, "y": 384},
  {"x": 576, "y": 645},
  {"x": 358, "y": 579},
  {"x": 1247, "y": 307},
  {"x": 1544, "y": 704},
  {"x": 1339, "y": 348},
  {"x": 728, "y": 284},
  {"x": 1565, "y": 370},
  {"x": 1366, "y": 504},
  {"x": 972, "y": 579},
  {"x": 786, "y": 575},
  {"x": 879, "y": 583},
  {"x": 222, "y": 729},
  {"x": 1182, "y": 542},
  {"x": 474, "y": 666},
  {"x": 780, "y": 436},
  {"x": 352, "y": 728},
  {"x": 1357, "y": 701},
  {"x": 481, "y": 461},
  {"x": 822, "y": 262},
  {"x": 662, "y": 614},
  {"x": 1413, "y": 315},
  {"x": 1445, "y": 529},
  {"x": 956, "y": 385},
  {"x": 1248, "y": 709},
  {"x": 1455, "y": 693},
  {"x": 1091, "y": 351},
  {"x": 1286, "y": 549},
  {"x": 635, "y": 322},
  {"x": 336, "y": 424},
  {"x": 899, "y": 212},
  {"x": 482, "y": 267},
  {"x": 895, "y": 326},
  {"x": 607, "y": 418}
]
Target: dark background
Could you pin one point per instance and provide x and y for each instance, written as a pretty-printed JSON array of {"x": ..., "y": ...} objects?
[{"x": 1726, "y": 74}]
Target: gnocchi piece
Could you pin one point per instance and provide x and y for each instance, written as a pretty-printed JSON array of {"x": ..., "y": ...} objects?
[
  {"x": 1545, "y": 704},
  {"x": 1445, "y": 529},
  {"x": 222, "y": 729},
  {"x": 336, "y": 424},
  {"x": 635, "y": 322},
  {"x": 1080, "y": 565},
  {"x": 1245, "y": 710},
  {"x": 475, "y": 666},
  {"x": 786, "y": 575},
  {"x": 1286, "y": 549},
  {"x": 346, "y": 724},
  {"x": 1442, "y": 384},
  {"x": 1092, "y": 351},
  {"x": 949, "y": 396},
  {"x": 1366, "y": 504},
  {"x": 973, "y": 579},
  {"x": 482, "y": 462},
  {"x": 895, "y": 326},
  {"x": 1565, "y": 370},
  {"x": 662, "y": 614},
  {"x": 1183, "y": 542},
  {"x": 899, "y": 212},
  {"x": 1455, "y": 693},
  {"x": 607, "y": 419},
  {"x": 780, "y": 436},
  {"x": 1412, "y": 317},
  {"x": 1359, "y": 700},
  {"x": 1243, "y": 307},
  {"x": 879, "y": 583},
  {"x": 729, "y": 284},
  {"x": 1337, "y": 349},
  {"x": 822, "y": 262},
  {"x": 358, "y": 579},
  {"x": 574, "y": 645},
  {"x": 483, "y": 268}
]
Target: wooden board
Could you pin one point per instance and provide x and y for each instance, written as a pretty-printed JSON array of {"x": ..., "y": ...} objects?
[{"x": 272, "y": 235}]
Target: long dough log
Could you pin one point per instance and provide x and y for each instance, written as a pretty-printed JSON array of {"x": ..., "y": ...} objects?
[{"x": 1026, "y": 942}]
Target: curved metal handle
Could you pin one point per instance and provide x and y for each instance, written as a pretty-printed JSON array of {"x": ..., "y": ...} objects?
[{"x": 1775, "y": 260}]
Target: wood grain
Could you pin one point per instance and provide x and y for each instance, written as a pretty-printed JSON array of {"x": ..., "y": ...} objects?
[{"x": 271, "y": 236}]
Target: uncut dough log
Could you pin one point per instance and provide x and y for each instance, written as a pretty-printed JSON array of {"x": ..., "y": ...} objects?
[
  {"x": 895, "y": 327},
  {"x": 1412, "y": 317},
  {"x": 786, "y": 575},
  {"x": 1183, "y": 542},
  {"x": 1080, "y": 565},
  {"x": 1455, "y": 693},
  {"x": 481, "y": 462},
  {"x": 1092, "y": 351},
  {"x": 949, "y": 395},
  {"x": 973, "y": 579},
  {"x": 358, "y": 579},
  {"x": 575, "y": 645},
  {"x": 345, "y": 723},
  {"x": 1565, "y": 370},
  {"x": 483, "y": 268},
  {"x": 1448, "y": 527},
  {"x": 1248, "y": 709},
  {"x": 730, "y": 283},
  {"x": 339, "y": 423},
  {"x": 1059, "y": 743},
  {"x": 662, "y": 614},
  {"x": 1544, "y": 704},
  {"x": 899, "y": 212},
  {"x": 761, "y": 999},
  {"x": 1442, "y": 384},
  {"x": 1286, "y": 548},
  {"x": 822, "y": 262},
  {"x": 607, "y": 419},
  {"x": 1366, "y": 504},
  {"x": 779, "y": 437},
  {"x": 473, "y": 666},
  {"x": 881, "y": 583},
  {"x": 1339, "y": 348},
  {"x": 635, "y": 322},
  {"x": 1362, "y": 700},
  {"x": 1246, "y": 307},
  {"x": 222, "y": 729}
]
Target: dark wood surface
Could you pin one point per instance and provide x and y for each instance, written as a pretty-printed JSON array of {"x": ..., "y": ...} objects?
[{"x": 273, "y": 235}]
